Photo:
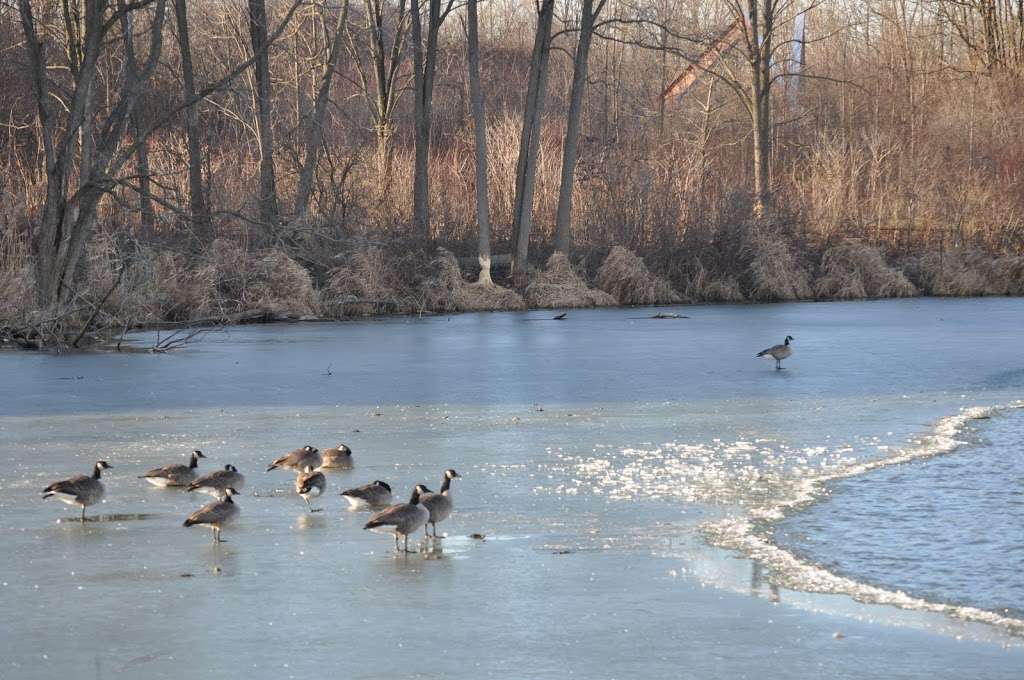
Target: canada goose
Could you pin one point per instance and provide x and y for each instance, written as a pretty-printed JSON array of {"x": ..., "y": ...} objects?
[
  {"x": 80, "y": 490},
  {"x": 215, "y": 514},
  {"x": 310, "y": 485},
  {"x": 298, "y": 460},
  {"x": 778, "y": 352},
  {"x": 376, "y": 494},
  {"x": 402, "y": 519},
  {"x": 175, "y": 475},
  {"x": 339, "y": 457},
  {"x": 440, "y": 504},
  {"x": 216, "y": 482}
]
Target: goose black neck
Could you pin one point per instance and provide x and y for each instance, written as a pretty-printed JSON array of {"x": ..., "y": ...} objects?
[
  {"x": 787, "y": 342},
  {"x": 446, "y": 484},
  {"x": 96, "y": 471},
  {"x": 415, "y": 498},
  {"x": 194, "y": 461},
  {"x": 227, "y": 499}
]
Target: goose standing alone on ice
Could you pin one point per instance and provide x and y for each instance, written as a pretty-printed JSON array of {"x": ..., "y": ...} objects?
[
  {"x": 778, "y": 352},
  {"x": 376, "y": 494},
  {"x": 175, "y": 475},
  {"x": 310, "y": 484},
  {"x": 440, "y": 504},
  {"x": 339, "y": 457},
  {"x": 218, "y": 481},
  {"x": 403, "y": 519},
  {"x": 215, "y": 514},
  {"x": 298, "y": 460},
  {"x": 80, "y": 490}
]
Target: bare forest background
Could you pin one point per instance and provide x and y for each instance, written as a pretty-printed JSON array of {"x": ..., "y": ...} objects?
[{"x": 172, "y": 162}]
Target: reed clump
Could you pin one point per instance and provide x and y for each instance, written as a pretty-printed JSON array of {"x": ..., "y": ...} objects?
[
  {"x": 773, "y": 273},
  {"x": 446, "y": 291},
  {"x": 559, "y": 286},
  {"x": 626, "y": 277},
  {"x": 854, "y": 271}
]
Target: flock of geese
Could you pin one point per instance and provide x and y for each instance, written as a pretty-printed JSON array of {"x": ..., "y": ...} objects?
[
  {"x": 401, "y": 519},
  {"x": 424, "y": 508}
]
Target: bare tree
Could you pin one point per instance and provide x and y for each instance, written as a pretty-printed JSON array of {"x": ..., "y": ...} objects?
[
  {"x": 563, "y": 220},
  {"x": 68, "y": 215},
  {"x": 381, "y": 87},
  {"x": 265, "y": 112},
  {"x": 315, "y": 127},
  {"x": 476, "y": 97},
  {"x": 529, "y": 140},
  {"x": 424, "y": 71},
  {"x": 198, "y": 210}
]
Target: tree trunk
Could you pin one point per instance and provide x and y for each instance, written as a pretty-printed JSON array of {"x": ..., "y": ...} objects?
[
  {"x": 529, "y": 140},
  {"x": 68, "y": 217},
  {"x": 563, "y": 219},
  {"x": 424, "y": 71},
  {"x": 476, "y": 97},
  {"x": 198, "y": 210},
  {"x": 315, "y": 130},
  {"x": 146, "y": 212},
  {"x": 759, "y": 49},
  {"x": 265, "y": 114}
]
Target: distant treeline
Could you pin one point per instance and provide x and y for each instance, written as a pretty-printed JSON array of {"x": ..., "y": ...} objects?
[{"x": 167, "y": 160}]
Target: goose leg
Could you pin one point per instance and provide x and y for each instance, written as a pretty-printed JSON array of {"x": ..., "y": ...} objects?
[
  {"x": 308, "y": 506},
  {"x": 83, "y": 514},
  {"x": 396, "y": 542}
]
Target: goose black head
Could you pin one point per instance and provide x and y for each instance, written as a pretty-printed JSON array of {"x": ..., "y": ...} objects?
[
  {"x": 230, "y": 468},
  {"x": 385, "y": 485},
  {"x": 103, "y": 465},
  {"x": 422, "y": 489},
  {"x": 198, "y": 454},
  {"x": 308, "y": 449},
  {"x": 788, "y": 338},
  {"x": 344, "y": 450},
  {"x": 228, "y": 493},
  {"x": 451, "y": 474}
]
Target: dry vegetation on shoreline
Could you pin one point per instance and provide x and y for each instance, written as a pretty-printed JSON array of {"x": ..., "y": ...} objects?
[{"x": 895, "y": 169}]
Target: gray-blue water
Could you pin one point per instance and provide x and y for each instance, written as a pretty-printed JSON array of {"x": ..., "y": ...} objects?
[
  {"x": 947, "y": 529},
  {"x": 595, "y": 452}
]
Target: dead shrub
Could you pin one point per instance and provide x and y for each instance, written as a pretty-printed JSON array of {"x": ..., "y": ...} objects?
[
  {"x": 774, "y": 272},
  {"x": 702, "y": 285},
  {"x": 17, "y": 277},
  {"x": 364, "y": 285},
  {"x": 1007, "y": 276},
  {"x": 853, "y": 271},
  {"x": 954, "y": 274},
  {"x": 160, "y": 287},
  {"x": 446, "y": 291},
  {"x": 281, "y": 284},
  {"x": 624, "y": 275},
  {"x": 560, "y": 286},
  {"x": 240, "y": 282}
]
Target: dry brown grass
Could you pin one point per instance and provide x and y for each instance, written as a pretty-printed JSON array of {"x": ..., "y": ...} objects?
[
  {"x": 774, "y": 272},
  {"x": 560, "y": 286},
  {"x": 961, "y": 273},
  {"x": 853, "y": 271},
  {"x": 626, "y": 277},
  {"x": 364, "y": 285},
  {"x": 701, "y": 285},
  {"x": 446, "y": 291}
]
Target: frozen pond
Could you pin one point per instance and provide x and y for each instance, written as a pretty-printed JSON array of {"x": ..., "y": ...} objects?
[{"x": 623, "y": 472}]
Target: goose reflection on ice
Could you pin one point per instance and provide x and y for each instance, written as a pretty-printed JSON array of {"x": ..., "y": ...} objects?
[{"x": 758, "y": 581}]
